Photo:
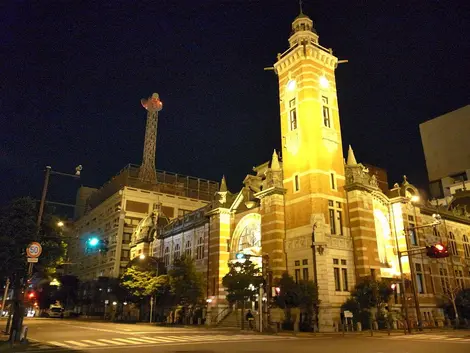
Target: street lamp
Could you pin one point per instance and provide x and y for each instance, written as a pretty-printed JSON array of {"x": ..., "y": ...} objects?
[
  {"x": 60, "y": 224},
  {"x": 142, "y": 256}
]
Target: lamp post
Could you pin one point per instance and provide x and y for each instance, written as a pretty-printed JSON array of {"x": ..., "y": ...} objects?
[{"x": 413, "y": 200}]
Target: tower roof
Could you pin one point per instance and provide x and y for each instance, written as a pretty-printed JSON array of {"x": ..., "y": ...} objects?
[
  {"x": 275, "y": 162},
  {"x": 223, "y": 185},
  {"x": 351, "y": 157}
]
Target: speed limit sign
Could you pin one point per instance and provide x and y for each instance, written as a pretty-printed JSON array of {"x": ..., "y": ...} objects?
[{"x": 34, "y": 250}]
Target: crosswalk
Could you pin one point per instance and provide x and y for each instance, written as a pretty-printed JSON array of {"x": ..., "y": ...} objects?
[
  {"x": 433, "y": 338},
  {"x": 150, "y": 340}
]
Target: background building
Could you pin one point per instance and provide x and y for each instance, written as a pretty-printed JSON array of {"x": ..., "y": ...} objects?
[
  {"x": 115, "y": 211},
  {"x": 446, "y": 147}
]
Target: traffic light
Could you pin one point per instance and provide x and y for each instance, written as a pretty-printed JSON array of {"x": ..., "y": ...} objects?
[
  {"x": 93, "y": 242},
  {"x": 96, "y": 244},
  {"x": 31, "y": 295},
  {"x": 437, "y": 251}
]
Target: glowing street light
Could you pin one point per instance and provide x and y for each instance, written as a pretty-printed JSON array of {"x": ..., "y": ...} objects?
[
  {"x": 60, "y": 224},
  {"x": 324, "y": 82},
  {"x": 415, "y": 198},
  {"x": 142, "y": 256}
]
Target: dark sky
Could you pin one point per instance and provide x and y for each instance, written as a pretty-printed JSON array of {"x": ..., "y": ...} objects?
[{"x": 73, "y": 73}]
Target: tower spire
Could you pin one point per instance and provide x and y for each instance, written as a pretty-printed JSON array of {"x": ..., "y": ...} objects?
[
  {"x": 351, "y": 157},
  {"x": 300, "y": 6},
  {"x": 147, "y": 171},
  {"x": 275, "y": 162}
]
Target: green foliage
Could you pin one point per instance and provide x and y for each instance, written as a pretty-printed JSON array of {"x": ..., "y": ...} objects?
[
  {"x": 462, "y": 302},
  {"x": 371, "y": 293},
  {"x": 238, "y": 280},
  {"x": 303, "y": 295},
  {"x": 143, "y": 283},
  {"x": 187, "y": 284},
  {"x": 18, "y": 229},
  {"x": 367, "y": 295}
]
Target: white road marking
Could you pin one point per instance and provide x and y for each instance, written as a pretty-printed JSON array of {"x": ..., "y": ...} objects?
[
  {"x": 140, "y": 340},
  {"x": 76, "y": 343},
  {"x": 54, "y": 343},
  {"x": 96, "y": 343},
  {"x": 111, "y": 342},
  {"x": 126, "y": 341}
]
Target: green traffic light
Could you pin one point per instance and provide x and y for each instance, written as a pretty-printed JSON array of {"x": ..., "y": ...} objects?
[{"x": 93, "y": 241}]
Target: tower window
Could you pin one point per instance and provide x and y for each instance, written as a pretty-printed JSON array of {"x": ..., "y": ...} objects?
[
  {"x": 333, "y": 181},
  {"x": 296, "y": 183},
  {"x": 336, "y": 218},
  {"x": 292, "y": 115},
  {"x": 326, "y": 112}
]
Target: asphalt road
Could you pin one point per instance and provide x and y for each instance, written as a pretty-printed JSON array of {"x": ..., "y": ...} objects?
[{"x": 55, "y": 335}]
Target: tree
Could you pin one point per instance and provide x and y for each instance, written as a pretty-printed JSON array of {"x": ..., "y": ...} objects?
[
  {"x": 302, "y": 295},
  {"x": 369, "y": 296},
  {"x": 241, "y": 283},
  {"x": 187, "y": 284},
  {"x": 17, "y": 230},
  {"x": 462, "y": 303},
  {"x": 143, "y": 283}
]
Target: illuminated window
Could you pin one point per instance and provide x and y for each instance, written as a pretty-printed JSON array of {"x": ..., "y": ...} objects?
[
  {"x": 337, "y": 279},
  {"x": 326, "y": 112},
  {"x": 200, "y": 249},
  {"x": 296, "y": 183},
  {"x": 166, "y": 256},
  {"x": 452, "y": 244},
  {"x": 177, "y": 252},
  {"x": 336, "y": 217},
  {"x": 419, "y": 279},
  {"x": 344, "y": 275},
  {"x": 305, "y": 273},
  {"x": 292, "y": 115},
  {"x": 187, "y": 251},
  {"x": 333, "y": 181},
  {"x": 340, "y": 275},
  {"x": 459, "y": 278},
  {"x": 466, "y": 246},
  {"x": 444, "y": 280},
  {"x": 412, "y": 231}
]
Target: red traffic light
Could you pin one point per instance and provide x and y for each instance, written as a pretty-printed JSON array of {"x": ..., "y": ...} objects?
[
  {"x": 31, "y": 295},
  {"x": 437, "y": 251}
]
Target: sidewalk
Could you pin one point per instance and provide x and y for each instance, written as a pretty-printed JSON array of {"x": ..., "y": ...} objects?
[{"x": 455, "y": 333}]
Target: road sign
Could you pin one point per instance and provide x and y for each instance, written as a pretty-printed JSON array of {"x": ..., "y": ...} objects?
[
  {"x": 33, "y": 259},
  {"x": 348, "y": 314},
  {"x": 34, "y": 250}
]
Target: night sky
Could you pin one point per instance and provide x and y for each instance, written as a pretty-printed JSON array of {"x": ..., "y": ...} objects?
[{"x": 73, "y": 73}]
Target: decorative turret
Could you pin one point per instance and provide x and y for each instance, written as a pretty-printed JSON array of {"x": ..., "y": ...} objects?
[
  {"x": 303, "y": 31},
  {"x": 351, "y": 157}
]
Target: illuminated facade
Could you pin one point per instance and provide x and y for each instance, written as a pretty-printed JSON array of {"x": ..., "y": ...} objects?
[
  {"x": 315, "y": 215},
  {"x": 357, "y": 225}
]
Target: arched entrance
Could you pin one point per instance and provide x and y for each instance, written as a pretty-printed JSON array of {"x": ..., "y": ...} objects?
[{"x": 246, "y": 238}]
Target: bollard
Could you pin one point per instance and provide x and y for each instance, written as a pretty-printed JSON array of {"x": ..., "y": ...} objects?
[
  {"x": 342, "y": 327},
  {"x": 388, "y": 327},
  {"x": 24, "y": 335}
]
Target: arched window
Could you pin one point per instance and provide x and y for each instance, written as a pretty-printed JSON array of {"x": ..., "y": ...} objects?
[
  {"x": 166, "y": 256},
  {"x": 200, "y": 249},
  {"x": 177, "y": 252},
  {"x": 466, "y": 246},
  {"x": 452, "y": 244},
  {"x": 187, "y": 250}
]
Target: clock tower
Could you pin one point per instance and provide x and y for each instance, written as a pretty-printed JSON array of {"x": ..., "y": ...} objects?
[{"x": 313, "y": 166}]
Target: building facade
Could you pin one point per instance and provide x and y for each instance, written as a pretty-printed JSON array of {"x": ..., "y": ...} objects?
[
  {"x": 446, "y": 145},
  {"x": 115, "y": 211},
  {"x": 310, "y": 213}
]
